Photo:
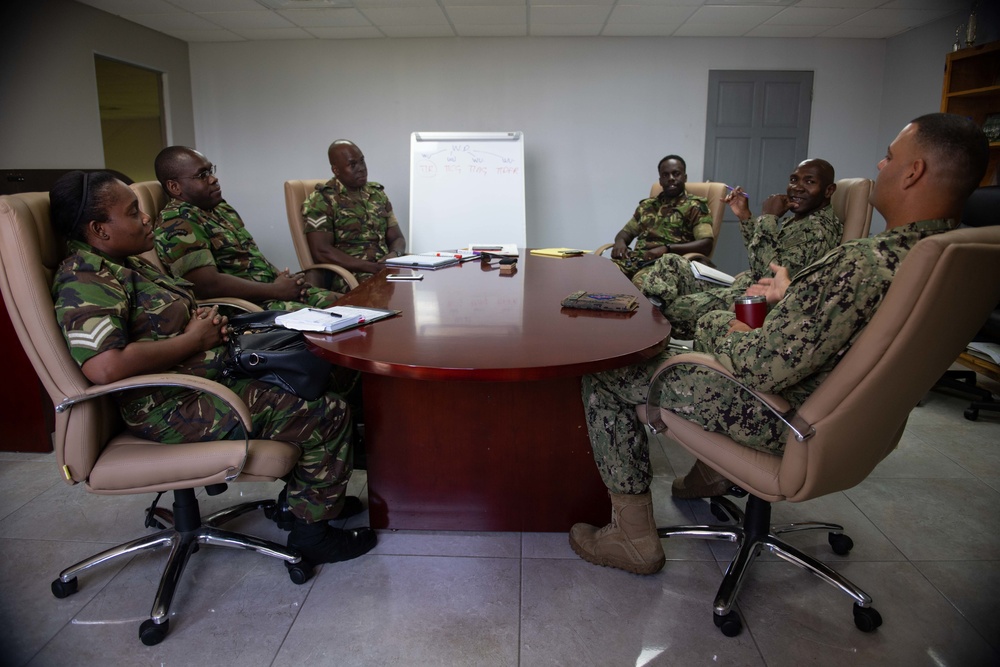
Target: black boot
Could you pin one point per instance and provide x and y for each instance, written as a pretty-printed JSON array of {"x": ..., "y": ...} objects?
[
  {"x": 283, "y": 516},
  {"x": 321, "y": 543}
]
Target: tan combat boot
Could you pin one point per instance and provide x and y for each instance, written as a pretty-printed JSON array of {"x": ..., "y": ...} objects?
[{"x": 629, "y": 542}]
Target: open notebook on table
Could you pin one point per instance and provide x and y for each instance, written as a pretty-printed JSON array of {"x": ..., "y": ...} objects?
[{"x": 333, "y": 319}]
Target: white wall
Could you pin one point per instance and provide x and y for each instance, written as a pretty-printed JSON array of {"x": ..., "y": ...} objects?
[
  {"x": 49, "y": 116},
  {"x": 597, "y": 113}
]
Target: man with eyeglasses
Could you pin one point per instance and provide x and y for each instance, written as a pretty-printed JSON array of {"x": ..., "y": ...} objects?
[{"x": 202, "y": 239}]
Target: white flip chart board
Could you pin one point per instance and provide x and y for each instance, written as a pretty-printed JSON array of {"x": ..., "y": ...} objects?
[{"x": 466, "y": 187}]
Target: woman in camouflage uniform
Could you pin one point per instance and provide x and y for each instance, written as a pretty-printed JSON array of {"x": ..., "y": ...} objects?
[{"x": 122, "y": 317}]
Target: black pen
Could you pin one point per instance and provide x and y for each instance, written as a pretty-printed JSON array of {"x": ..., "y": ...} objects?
[{"x": 325, "y": 312}]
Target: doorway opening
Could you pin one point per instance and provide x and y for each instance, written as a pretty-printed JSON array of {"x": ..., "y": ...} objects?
[{"x": 131, "y": 107}]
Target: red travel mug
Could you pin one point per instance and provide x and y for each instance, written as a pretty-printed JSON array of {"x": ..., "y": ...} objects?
[{"x": 751, "y": 310}]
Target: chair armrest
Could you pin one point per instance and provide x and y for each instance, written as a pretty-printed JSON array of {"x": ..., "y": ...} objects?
[
  {"x": 233, "y": 302},
  {"x": 348, "y": 277},
  {"x": 773, "y": 402},
  {"x": 223, "y": 393},
  {"x": 600, "y": 251}
]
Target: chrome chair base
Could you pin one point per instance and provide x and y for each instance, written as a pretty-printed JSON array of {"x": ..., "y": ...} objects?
[
  {"x": 754, "y": 533},
  {"x": 189, "y": 531}
]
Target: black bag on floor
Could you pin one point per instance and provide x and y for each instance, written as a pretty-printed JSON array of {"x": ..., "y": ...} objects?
[{"x": 260, "y": 349}]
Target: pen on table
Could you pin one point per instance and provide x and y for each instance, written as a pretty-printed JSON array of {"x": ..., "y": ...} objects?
[
  {"x": 742, "y": 193},
  {"x": 325, "y": 312}
]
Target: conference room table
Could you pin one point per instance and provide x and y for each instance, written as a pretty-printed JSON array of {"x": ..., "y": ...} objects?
[{"x": 472, "y": 407}]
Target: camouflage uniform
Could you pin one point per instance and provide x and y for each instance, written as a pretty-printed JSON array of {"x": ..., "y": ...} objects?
[
  {"x": 188, "y": 237},
  {"x": 660, "y": 220},
  {"x": 358, "y": 220},
  {"x": 102, "y": 305},
  {"x": 825, "y": 308},
  {"x": 792, "y": 245}
]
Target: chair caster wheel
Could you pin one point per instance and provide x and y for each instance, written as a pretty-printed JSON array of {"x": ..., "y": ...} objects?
[
  {"x": 63, "y": 589},
  {"x": 152, "y": 634},
  {"x": 300, "y": 572},
  {"x": 971, "y": 414},
  {"x": 866, "y": 618},
  {"x": 841, "y": 544},
  {"x": 730, "y": 624},
  {"x": 719, "y": 513}
]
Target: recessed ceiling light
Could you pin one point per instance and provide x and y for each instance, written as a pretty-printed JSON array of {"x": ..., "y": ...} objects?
[{"x": 307, "y": 4}]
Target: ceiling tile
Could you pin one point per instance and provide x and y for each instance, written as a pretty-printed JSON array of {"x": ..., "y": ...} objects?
[
  {"x": 642, "y": 14},
  {"x": 638, "y": 30},
  {"x": 365, "y": 4},
  {"x": 712, "y": 30},
  {"x": 949, "y": 5},
  {"x": 350, "y": 32},
  {"x": 488, "y": 15},
  {"x": 479, "y": 3},
  {"x": 273, "y": 33},
  {"x": 816, "y": 16},
  {"x": 219, "y": 5},
  {"x": 780, "y": 30},
  {"x": 239, "y": 20},
  {"x": 565, "y": 29},
  {"x": 885, "y": 22},
  {"x": 836, "y": 4},
  {"x": 473, "y": 30},
  {"x": 568, "y": 14},
  {"x": 165, "y": 22},
  {"x": 205, "y": 35},
  {"x": 747, "y": 17},
  {"x": 418, "y": 31},
  {"x": 122, "y": 7},
  {"x": 325, "y": 18},
  {"x": 401, "y": 16},
  {"x": 590, "y": 3}
]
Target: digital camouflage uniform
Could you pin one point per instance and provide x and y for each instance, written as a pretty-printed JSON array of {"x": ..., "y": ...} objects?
[
  {"x": 792, "y": 245},
  {"x": 102, "y": 305},
  {"x": 189, "y": 237},
  {"x": 825, "y": 308},
  {"x": 660, "y": 220},
  {"x": 358, "y": 220}
]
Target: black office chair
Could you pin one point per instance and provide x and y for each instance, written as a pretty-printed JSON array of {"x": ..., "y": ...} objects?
[{"x": 982, "y": 209}]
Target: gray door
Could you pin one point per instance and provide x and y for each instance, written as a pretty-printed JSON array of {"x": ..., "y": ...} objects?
[{"x": 757, "y": 131}]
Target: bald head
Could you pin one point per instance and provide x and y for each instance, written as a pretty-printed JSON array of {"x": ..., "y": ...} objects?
[
  {"x": 348, "y": 164},
  {"x": 810, "y": 187}
]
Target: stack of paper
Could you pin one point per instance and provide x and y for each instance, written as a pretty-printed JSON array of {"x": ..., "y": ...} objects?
[
  {"x": 558, "y": 252},
  {"x": 428, "y": 261},
  {"x": 508, "y": 249},
  {"x": 706, "y": 272},
  {"x": 987, "y": 351},
  {"x": 324, "y": 321}
]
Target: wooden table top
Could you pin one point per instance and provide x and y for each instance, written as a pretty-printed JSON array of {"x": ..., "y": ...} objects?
[{"x": 470, "y": 322}]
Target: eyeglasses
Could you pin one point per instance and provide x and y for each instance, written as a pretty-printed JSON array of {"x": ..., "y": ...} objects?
[{"x": 201, "y": 175}]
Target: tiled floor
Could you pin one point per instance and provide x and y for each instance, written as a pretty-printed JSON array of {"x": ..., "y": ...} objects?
[{"x": 926, "y": 550}]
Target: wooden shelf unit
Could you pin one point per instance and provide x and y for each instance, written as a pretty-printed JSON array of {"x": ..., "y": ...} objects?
[{"x": 972, "y": 89}]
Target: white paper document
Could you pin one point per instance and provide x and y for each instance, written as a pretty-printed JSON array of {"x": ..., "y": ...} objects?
[
  {"x": 988, "y": 351},
  {"x": 706, "y": 272},
  {"x": 323, "y": 321}
]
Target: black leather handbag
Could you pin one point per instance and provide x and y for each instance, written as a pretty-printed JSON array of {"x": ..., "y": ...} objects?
[{"x": 260, "y": 349}]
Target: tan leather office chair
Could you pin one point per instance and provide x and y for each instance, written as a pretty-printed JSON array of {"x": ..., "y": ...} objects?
[
  {"x": 152, "y": 200},
  {"x": 941, "y": 294},
  {"x": 713, "y": 192},
  {"x": 295, "y": 194},
  {"x": 91, "y": 445},
  {"x": 850, "y": 204}
]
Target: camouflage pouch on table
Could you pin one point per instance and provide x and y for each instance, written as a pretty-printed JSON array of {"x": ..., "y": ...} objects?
[{"x": 621, "y": 303}]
